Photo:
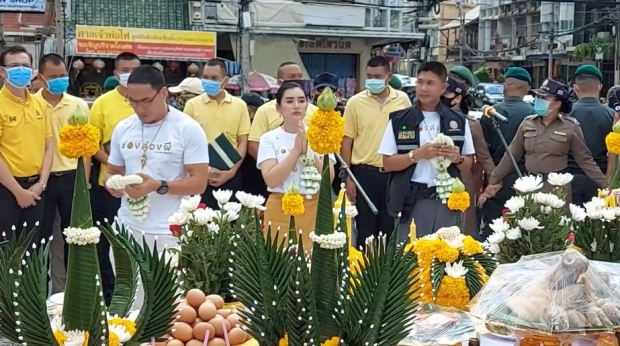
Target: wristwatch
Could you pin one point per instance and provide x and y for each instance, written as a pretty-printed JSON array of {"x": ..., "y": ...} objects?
[
  {"x": 461, "y": 159},
  {"x": 411, "y": 157},
  {"x": 43, "y": 185},
  {"x": 163, "y": 189}
]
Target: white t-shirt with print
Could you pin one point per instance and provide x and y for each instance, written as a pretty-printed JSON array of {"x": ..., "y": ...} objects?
[
  {"x": 180, "y": 141},
  {"x": 424, "y": 172},
  {"x": 277, "y": 144}
]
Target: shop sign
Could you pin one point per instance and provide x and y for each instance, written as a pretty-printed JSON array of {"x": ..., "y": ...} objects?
[
  {"x": 157, "y": 43},
  {"x": 22, "y": 6},
  {"x": 323, "y": 44}
]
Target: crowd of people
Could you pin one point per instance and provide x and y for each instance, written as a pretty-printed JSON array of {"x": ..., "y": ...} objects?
[{"x": 209, "y": 140}]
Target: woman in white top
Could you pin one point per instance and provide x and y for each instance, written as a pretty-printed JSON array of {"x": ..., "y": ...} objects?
[{"x": 279, "y": 158}]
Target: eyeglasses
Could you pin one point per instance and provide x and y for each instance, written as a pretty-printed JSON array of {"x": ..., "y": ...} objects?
[{"x": 139, "y": 103}]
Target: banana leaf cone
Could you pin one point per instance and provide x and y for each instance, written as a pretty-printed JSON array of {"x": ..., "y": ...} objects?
[{"x": 82, "y": 292}]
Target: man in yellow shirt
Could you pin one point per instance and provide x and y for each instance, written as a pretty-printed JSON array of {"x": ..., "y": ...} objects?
[
  {"x": 220, "y": 113},
  {"x": 107, "y": 111},
  {"x": 60, "y": 105},
  {"x": 366, "y": 116},
  {"x": 267, "y": 117},
  {"x": 26, "y": 146}
]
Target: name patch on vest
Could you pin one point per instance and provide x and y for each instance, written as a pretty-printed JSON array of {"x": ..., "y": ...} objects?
[{"x": 406, "y": 134}]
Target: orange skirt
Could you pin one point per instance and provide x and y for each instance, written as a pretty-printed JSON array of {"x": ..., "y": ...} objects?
[{"x": 276, "y": 216}]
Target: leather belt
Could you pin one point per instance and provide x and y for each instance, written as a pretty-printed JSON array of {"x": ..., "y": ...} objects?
[
  {"x": 371, "y": 168},
  {"x": 61, "y": 173},
  {"x": 28, "y": 180}
]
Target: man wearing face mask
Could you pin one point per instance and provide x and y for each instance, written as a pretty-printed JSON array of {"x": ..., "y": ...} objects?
[
  {"x": 220, "y": 113},
  {"x": 455, "y": 97},
  {"x": 267, "y": 117},
  {"x": 26, "y": 146},
  {"x": 546, "y": 139},
  {"x": 596, "y": 121},
  {"x": 59, "y": 193},
  {"x": 106, "y": 112},
  {"x": 365, "y": 118}
]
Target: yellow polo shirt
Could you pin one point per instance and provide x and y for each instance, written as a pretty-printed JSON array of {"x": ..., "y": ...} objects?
[
  {"x": 107, "y": 111},
  {"x": 24, "y": 126},
  {"x": 230, "y": 117},
  {"x": 268, "y": 118},
  {"x": 365, "y": 120},
  {"x": 59, "y": 117}
]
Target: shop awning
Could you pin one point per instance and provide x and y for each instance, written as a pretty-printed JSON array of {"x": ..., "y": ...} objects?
[{"x": 271, "y": 51}]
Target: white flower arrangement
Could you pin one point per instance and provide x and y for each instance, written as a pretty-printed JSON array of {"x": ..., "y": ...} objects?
[
  {"x": 335, "y": 240},
  {"x": 79, "y": 236},
  {"x": 250, "y": 201},
  {"x": 456, "y": 269},
  {"x": 139, "y": 207},
  {"x": 350, "y": 211},
  {"x": 310, "y": 176},
  {"x": 443, "y": 181},
  {"x": 535, "y": 222}
]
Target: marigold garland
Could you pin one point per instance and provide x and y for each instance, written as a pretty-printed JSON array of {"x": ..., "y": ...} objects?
[
  {"x": 325, "y": 131},
  {"x": 459, "y": 201},
  {"x": 284, "y": 340},
  {"x": 471, "y": 246},
  {"x": 113, "y": 339},
  {"x": 453, "y": 292},
  {"x": 612, "y": 141},
  {"x": 333, "y": 341},
  {"x": 78, "y": 141},
  {"x": 293, "y": 204}
]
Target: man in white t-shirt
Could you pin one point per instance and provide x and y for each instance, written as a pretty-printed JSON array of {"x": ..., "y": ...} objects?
[
  {"x": 163, "y": 145},
  {"x": 407, "y": 149}
]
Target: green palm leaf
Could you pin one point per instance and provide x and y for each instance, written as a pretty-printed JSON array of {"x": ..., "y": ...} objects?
[
  {"x": 326, "y": 267},
  {"x": 262, "y": 270},
  {"x": 437, "y": 273},
  {"x": 126, "y": 270},
  {"x": 487, "y": 261},
  {"x": 301, "y": 320},
  {"x": 11, "y": 253},
  {"x": 382, "y": 303},
  {"x": 473, "y": 279},
  {"x": 31, "y": 310},
  {"x": 160, "y": 290}
]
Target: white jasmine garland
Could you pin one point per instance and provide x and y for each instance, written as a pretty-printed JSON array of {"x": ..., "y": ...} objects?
[
  {"x": 222, "y": 196},
  {"x": 79, "y": 236},
  {"x": 528, "y": 184},
  {"x": 334, "y": 240},
  {"x": 559, "y": 179},
  {"x": 139, "y": 207},
  {"x": 310, "y": 176},
  {"x": 443, "y": 181}
]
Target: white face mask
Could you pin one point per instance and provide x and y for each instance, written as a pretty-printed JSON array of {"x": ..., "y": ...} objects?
[{"x": 123, "y": 77}]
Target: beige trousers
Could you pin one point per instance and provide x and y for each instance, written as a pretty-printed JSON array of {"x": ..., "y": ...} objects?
[{"x": 163, "y": 241}]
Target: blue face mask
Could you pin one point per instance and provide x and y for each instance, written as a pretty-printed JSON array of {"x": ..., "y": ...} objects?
[
  {"x": 375, "y": 86},
  {"x": 19, "y": 76},
  {"x": 58, "y": 86},
  {"x": 541, "y": 107},
  {"x": 211, "y": 87}
]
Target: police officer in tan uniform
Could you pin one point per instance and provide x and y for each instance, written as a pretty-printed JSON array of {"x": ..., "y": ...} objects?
[
  {"x": 546, "y": 139},
  {"x": 455, "y": 97}
]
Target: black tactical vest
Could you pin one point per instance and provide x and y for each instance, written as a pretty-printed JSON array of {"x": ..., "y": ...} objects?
[{"x": 406, "y": 127}]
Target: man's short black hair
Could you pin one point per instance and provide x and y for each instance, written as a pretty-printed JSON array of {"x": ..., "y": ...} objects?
[
  {"x": 379, "y": 61},
  {"x": 220, "y": 63},
  {"x": 52, "y": 58},
  {"x": 12, "y": 50},
  {"x": 147, "y": 74},
  {"x": 284, "y": 64},
  {"x": 434, "y": 67},
  {"x": 125, "y": 56}
]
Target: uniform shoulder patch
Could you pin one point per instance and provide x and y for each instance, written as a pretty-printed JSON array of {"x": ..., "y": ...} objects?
[{"x": 571, "y": 119}]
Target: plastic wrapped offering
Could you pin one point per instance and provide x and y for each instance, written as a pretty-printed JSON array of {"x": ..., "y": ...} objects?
[
  {"x": 436, "y": 325},
  {"x": 559, "y": 293}
]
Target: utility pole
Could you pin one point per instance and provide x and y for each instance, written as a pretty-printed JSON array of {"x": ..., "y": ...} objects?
[
  {"x": 245, "y": 21},
  {"x": 461, "y": 31},
  {"x": 59, "y": 27},
  {"x": 551, "y": 41}
]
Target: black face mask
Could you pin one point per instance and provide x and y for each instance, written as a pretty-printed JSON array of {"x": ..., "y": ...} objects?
[{"x": 447, "y": 101}]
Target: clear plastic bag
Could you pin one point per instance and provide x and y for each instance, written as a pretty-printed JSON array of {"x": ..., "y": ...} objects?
[
  {"x": 551, "y": 293},
  {"x": 436, "y": 325}
]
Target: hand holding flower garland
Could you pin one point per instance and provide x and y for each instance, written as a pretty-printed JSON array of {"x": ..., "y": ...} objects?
[
  {"x": 139, "y": 207},
  {"x": 443, "y": 181}
]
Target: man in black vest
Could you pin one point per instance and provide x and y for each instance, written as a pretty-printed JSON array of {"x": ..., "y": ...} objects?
[{"x": 407, "y": 148}]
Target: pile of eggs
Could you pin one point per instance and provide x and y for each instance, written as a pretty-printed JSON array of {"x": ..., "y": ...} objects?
[{"x": 200, "y": 313}]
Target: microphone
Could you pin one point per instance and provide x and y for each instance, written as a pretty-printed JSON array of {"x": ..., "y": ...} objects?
[{"x": 490, "y": 112}]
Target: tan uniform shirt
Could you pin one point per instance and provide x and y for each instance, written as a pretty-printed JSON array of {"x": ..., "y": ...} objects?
[{"x": 546, "y": 149}]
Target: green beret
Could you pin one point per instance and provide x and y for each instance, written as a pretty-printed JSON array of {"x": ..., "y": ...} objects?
[
  {"x": 395, "y": 83},
  {"x": 518, "y": 73},
  {"x": 465, "y": 74},
  {"x": 591, "y": 70},
  {"x": 110, "y": 83}
]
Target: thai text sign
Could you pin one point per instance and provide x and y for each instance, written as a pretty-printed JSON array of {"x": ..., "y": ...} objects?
[
  {"x": 159, "y": 43},
  {"x": 22, "y": 5}
]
